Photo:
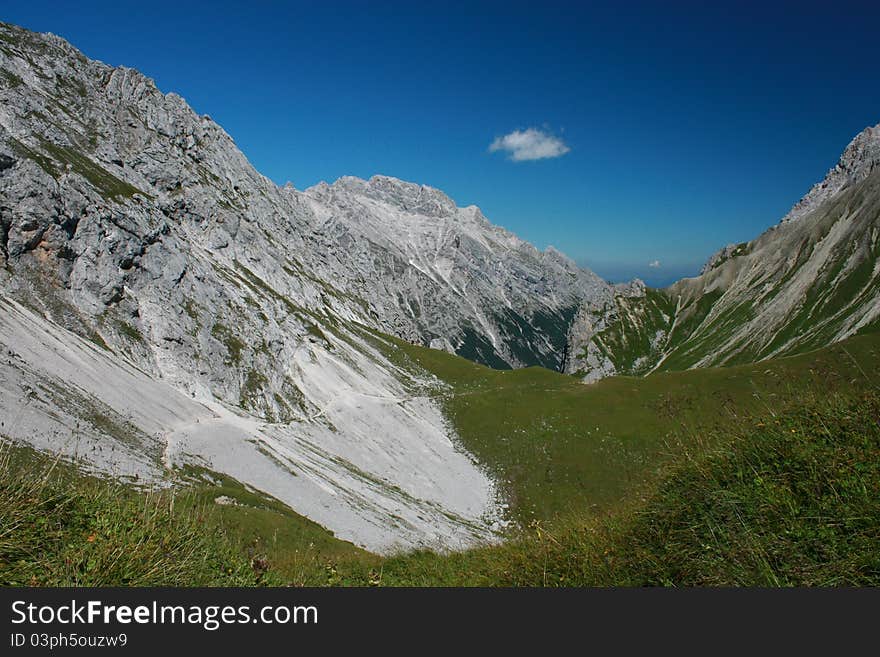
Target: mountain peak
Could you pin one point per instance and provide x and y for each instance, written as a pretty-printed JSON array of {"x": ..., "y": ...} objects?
[
  {"x": 858, "y": 160},
  {"x": 555, "y": 255},
  {"x": 407, "y": 196}
]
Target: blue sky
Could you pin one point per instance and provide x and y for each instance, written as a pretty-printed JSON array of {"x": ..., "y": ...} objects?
[{"x": 679, "y": 127}]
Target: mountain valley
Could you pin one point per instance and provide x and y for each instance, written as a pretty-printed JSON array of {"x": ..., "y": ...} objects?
[{"x": 366, "y": 353}]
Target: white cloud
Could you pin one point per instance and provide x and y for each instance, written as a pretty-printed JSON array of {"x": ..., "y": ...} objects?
[
  {"x": 530, "y": 144},
  {"x": 654, "y": 264}
]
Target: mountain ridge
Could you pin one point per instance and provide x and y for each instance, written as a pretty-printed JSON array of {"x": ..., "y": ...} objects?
[
  {"x": 808, "y": 281},
  {"x": 131, "y": 224}
]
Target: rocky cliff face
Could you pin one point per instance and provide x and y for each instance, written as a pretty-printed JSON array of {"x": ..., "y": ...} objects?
[
  {"x": 164, "y": 304},
  {"x": 858, "y": 161},
  {"x": 130, "y": 222},
  {"x": 112, "y": 185},
  {"x": 444, "y": 276}
]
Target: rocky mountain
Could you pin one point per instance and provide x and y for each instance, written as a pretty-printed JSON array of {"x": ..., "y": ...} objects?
[
  {"x": 165, "y": 305},
  {"x": 809, "y": 281},
  {"x": 444, "y": 276}
]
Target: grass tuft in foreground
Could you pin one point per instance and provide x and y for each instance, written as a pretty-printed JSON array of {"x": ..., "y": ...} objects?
[
  {"x": 796, "y": 501},
  {"x": 58, "y": 528}
]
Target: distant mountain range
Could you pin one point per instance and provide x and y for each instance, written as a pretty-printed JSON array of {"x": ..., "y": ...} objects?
[{"x": 162, "y": 304}]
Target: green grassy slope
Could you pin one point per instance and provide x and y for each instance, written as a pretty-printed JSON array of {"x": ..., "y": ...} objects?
[
  {"x": 758, "y": 474},
  {"x": 299, "y": 551},
  {"x": 788, "y": 501},
  {"x": 61, "y": 528},
  {"x": 841, "y": 234},
  {"x": 559, "y": 446}
]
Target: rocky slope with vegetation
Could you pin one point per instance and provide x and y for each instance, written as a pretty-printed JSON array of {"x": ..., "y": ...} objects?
[
  {"x": 807, "y": 282},
  {"x": 165, "y": 306}
]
